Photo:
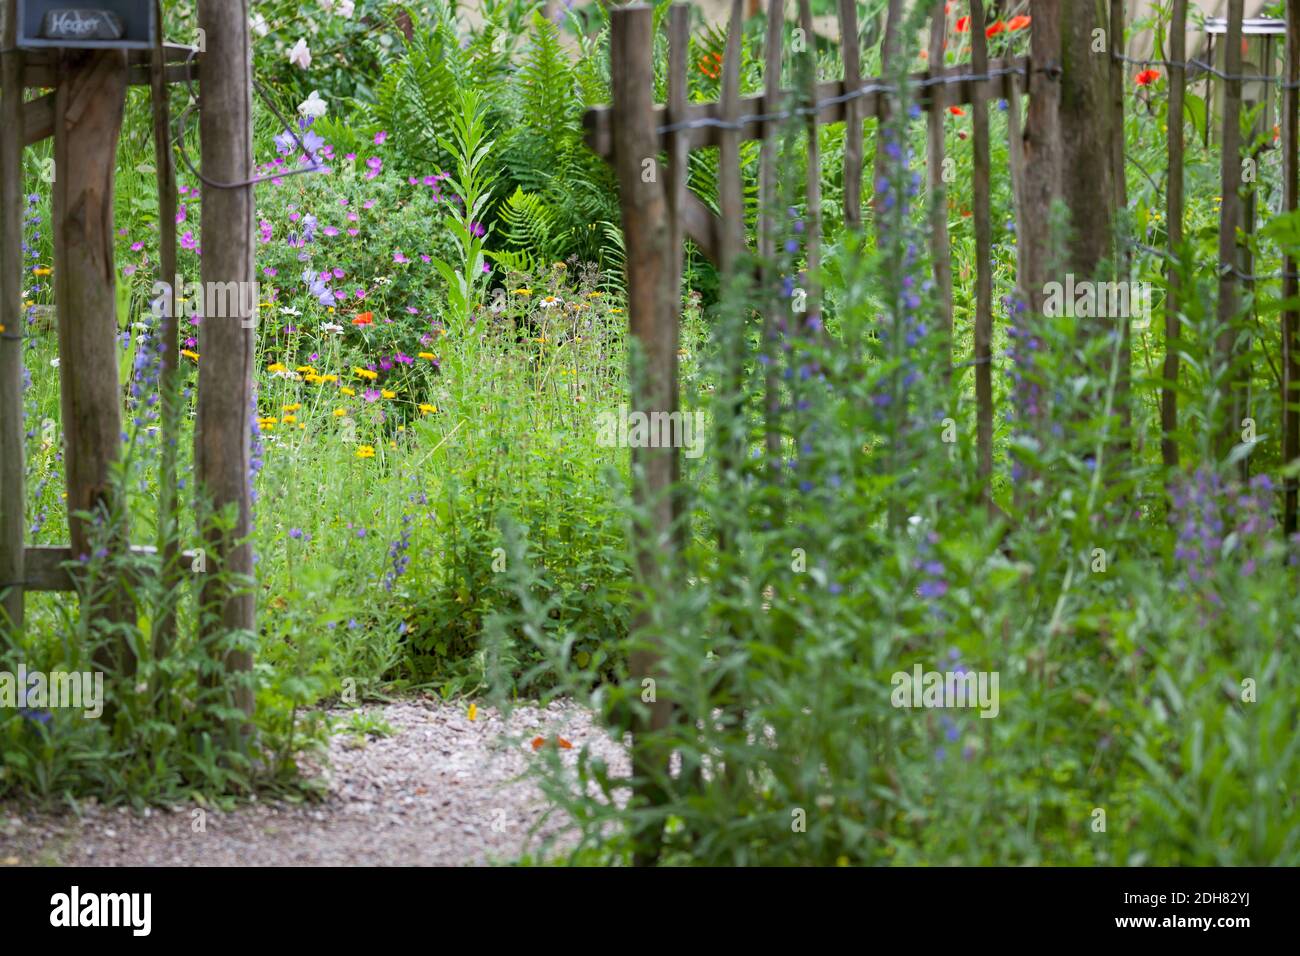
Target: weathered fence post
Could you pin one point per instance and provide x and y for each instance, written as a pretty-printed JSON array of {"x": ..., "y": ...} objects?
[
  {"x": 651, "y": 313},
  {"x": 851, "y": 53},
  {"x": 1174, "y": 224},
  {"x": 983, "y": 250},
  {"x": 769, "y": 174},
  {"x": 88, "y": 108},
  {"x": 1229, "y": 220},
  {"x": 12, "y": 519},
  {"x": 223, "y": 428},
  {"x": 1290, "y": 285},
  {"x": 940, "y": 248}
]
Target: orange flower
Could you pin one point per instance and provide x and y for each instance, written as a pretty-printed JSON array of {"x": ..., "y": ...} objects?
[
  {"x": 995, "y": 29},
  {"x": 365, "y": 318},
  {"x": 1146, "y": 77},
  {"x": 1018, "y": 23},
  {"x": 956, "y": 111},
  {"x": 963, "y": 24},
  {"x": 537, "y": 742}
]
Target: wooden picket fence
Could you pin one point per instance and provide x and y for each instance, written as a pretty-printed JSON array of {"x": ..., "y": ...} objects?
[{"x": 1053, "y": 155}]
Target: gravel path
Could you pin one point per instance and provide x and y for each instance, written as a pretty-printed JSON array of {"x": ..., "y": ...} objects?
[{"x": 442, "y": 791}]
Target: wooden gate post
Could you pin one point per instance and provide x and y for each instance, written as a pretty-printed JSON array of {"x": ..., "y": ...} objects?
[
  {"x": 12, "y": 499},
  {"x": 652, "y": 316},
  {"x": 88, "y": 108},
  {"x": 223, "y": 431},
  {"x": 1229, "y": 220}
]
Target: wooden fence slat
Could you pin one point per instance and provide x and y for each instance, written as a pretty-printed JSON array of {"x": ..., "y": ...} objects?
[
  {"x": 1229, "y": 220},
  {"x": 646, "y": 233},
  {"x": 1116, "y": 81},
  {"x": 598, "y": 124},
  {"x": 47, "y": 571},
  {"x": 731, "y": 197},
  {"x": 1174, "y": 225},
  {"x": 851, "y": 53},
  {"x": 679, "y": 40},
  {"x": 223, "y": 427},
  {"x": 769, "y": 175},
  {"x": 940, "y": 248},
  {"x": 168, "y": 339},
  {"x": 12, "y": 326},
  {"x": 1290, "y": 285},
  {"x": 813, "y": 187},
  {"x": 983, "y": 263},
  {"x": 90, "y": 103}
]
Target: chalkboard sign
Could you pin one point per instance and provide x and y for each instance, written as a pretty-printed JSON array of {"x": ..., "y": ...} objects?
[{"x": 89, "y": 24}]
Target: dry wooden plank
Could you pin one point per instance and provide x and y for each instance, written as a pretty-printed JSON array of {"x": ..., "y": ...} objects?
[
  {"x": 940, "y": 249},
  {"x": 38, "y": 119},
  {"x": 44, "y": 76},
  {"x": 1174, "y": 222},
  {"x": 1290, "y": 285},
  {"x": 731, "y": 196},
  {"x": 1229, "y": 220},
  {"x": 48, "y": 566},
  {"x": 89, "y": 107},
  {"x": 12, "y": 452},
  {"x": 169, "y": 341},
  {"x": 983, "y": 258},
  {"x": 769, "y": 174},
  {"x": 646, "y": 229},
  {"x": 813, "y": 183},
  {"x": 851, "y": 53},
  {"x": 959, "y": 90},
  {"x": 679, "y": 40},
  {"x": 223, "y": 428},
  {"x": 1116, "y": 83}
]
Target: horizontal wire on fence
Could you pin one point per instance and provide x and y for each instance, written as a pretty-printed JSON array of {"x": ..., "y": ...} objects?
[
  {"x": 1203, "y": 67},
  {"x": 1223, "y": 270},
  {"x": 710, "y": 122}
]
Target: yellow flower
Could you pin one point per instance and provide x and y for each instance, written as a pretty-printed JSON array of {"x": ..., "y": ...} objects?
[
  {"x": 305, "y": 368},
  {"x": 340, "y": 412},
  {"x": 41, "y": 271},
  {"x": 594, "y": 295},
  {"x": 365, "y": 451},
  {"x": 190, "y": 355},
  {"x": 329, "y": 378},
  {"x": 291, "y": 408},
  {"x": 366, "y": 373},
  {"x": 473, "y": 711},
  {"x": 290, "y": 419},
  {"x": 385, "y": 393},
  {"x": 347, "y": 391},
  {"x": 276, "y": 367},
  {"x": 523, "y": 291},
  {"x": 428, "y": 356},
  {"x": 561, "y": 266},
  {"x": 616, "y": 311},
  {"x": 428, "y": 409},
  {"x": 266, "y": 421}
]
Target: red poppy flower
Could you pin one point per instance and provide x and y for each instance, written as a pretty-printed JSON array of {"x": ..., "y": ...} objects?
[
  {"x": 1018, "y": 23},
  {"x": 963, "y": 24},
  {"x": 1146, "y": 77},
  {"x": 995, "y": 29},
  {"x": 956, "y": 111},
  {"x": 365, "y": 318}
]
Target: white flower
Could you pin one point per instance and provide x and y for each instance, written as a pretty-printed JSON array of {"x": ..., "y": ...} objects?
[
  {"x": 288, "y": 311},
  {"x": 313, "y": 106},
  {"x": 346, "y": 7},
  {"x": 54, "y": 363},
  {"x": 300, "y": 56},
  {"x": 332, "y": 327},
  {"x": 258, "y": 24}
]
